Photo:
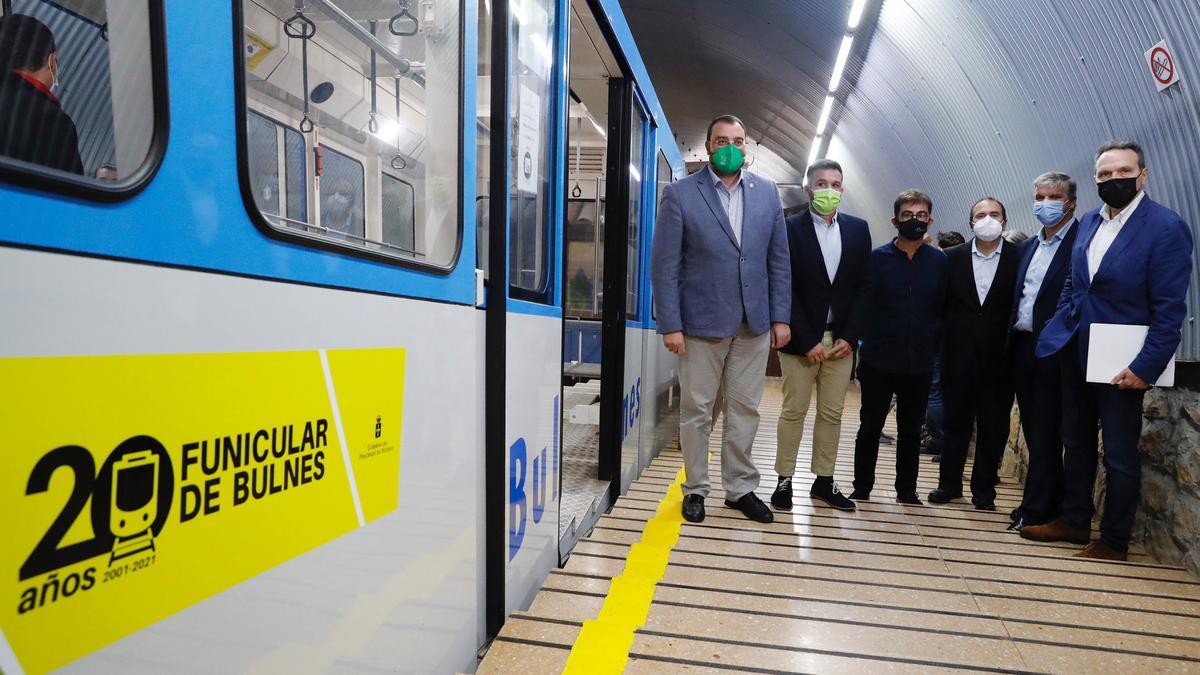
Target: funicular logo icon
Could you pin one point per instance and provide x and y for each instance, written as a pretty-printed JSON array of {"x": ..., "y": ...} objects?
[{"x": 134, "y": 503}]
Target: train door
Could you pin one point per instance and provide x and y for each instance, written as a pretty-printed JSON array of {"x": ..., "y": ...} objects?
[
  {"x": 524, "y": 79},
  {"x": 586, "y": 480}
]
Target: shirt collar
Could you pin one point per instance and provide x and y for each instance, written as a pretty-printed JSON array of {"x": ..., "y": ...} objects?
[
  {"x": 819, "y": 220},
  {"x": 1123, "y": 216},
  {"x": 975, "y": 250},
  {"x": 37, "y": 84},
  {"x": 717, "y": 182},
  {"x": 1058, "y": 236}
]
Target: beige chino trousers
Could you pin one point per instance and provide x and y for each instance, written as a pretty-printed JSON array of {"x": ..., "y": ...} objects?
[
  {"x": 831, "y": 379},
  {"x": 735, "y": 368}
]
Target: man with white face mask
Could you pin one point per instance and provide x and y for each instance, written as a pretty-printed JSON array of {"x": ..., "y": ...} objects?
[
  {"x": 1043, "y": 263},
  {"x": 976, "y": 386}
]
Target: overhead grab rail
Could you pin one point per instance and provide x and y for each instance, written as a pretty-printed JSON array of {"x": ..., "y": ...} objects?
[
  {"x": 400, "y": 17},
  {"x": 331, "y": 10},
  {"x": 301, "y": 28}
]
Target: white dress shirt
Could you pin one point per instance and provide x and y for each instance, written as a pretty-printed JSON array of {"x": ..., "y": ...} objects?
[
  {"x": 731, "y": 200},
  {"x": 1043, "y": 255},
  {"x": 829, "y": 238},
  {"x": 1106, "y": 234},
  {"x": 985, "y": 267}
]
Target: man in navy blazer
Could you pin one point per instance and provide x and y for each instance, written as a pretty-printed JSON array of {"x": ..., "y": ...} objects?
[
  {"x": 1131, "y": 264},
  {"x": 722, "y": 295},
  {"x": 1044, "y": 261},
  {"x": 831, "y": 253}
]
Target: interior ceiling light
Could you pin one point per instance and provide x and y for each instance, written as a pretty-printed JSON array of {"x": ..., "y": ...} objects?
[
  {"x": 839, "y": 66},
  {"x": 857, "y": 7},
  {"x": 856, "y": 12},
  {"x": 826, "y": 110}
]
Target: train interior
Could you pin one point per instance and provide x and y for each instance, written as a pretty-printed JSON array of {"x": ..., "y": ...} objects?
[
  {"x": 352, "y": 124},
  {"x": 105, "y": 80}
]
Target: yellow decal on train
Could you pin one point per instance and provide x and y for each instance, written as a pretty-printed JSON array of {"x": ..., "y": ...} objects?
[{"x": 132, "y": 487}]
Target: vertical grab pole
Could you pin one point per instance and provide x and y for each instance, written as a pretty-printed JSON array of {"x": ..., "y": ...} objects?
[{"x": 495, "y": 328}]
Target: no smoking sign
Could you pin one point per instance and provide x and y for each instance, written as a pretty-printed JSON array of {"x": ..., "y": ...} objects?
[{"x": 1163, "y": 66}]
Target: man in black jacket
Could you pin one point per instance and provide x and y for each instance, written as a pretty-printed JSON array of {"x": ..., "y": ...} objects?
[
  {"x": 830, "y": 254},
  {"x": 980, "y": 278},
  {"x": 33, "y": 126},
  {"x": 1043, "y": 264}
]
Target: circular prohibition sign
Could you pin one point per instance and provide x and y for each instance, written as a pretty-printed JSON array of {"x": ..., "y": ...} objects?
[{"x": 1162, "y": 65}]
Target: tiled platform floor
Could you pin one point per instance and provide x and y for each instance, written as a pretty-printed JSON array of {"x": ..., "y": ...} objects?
[{"x": 890, "y": 587}]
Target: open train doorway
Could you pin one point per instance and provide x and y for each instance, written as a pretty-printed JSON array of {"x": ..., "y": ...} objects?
[{"x": 592, "y": 368}]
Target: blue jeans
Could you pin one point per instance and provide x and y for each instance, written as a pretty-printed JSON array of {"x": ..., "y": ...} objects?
[{"x": 934, "y": 411}]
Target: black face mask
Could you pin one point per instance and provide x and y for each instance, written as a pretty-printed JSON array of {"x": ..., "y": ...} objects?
[
  {"x": 912, "y": 229},
  {"x": 1118, "y": 192}
]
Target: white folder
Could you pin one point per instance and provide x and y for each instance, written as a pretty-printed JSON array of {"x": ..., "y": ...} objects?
[{"x": 1112, "y": 347}]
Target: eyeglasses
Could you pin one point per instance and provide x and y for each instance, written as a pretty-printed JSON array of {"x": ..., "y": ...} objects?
[
  {"x": 721, "y": 142},
  {"x": 922, "y": 216}
]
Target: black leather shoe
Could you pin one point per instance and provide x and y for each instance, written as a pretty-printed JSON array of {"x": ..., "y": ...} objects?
[
  {"x": 1016, "y": 525},
  {"x": 752, "y": 507},
  {"x": 860, "y": 496},
  {"x": 693, "y": 508},
  {"x": 825, "y": 489},
  {"x": 983, "y": 506},
  {"x": 910, "y": 499},
  {"x": 940, "y": 496},
  {"x": 782, "y": 499}
]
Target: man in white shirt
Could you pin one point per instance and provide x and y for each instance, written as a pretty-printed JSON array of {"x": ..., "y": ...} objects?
[
  {"x": 1131, "y": 265},
  {"x": 976, "y": 387},
  {"x": 1044, "y": 264},
  {"x": 830, "y": 253}
]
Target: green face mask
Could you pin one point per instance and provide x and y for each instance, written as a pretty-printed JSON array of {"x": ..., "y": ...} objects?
[
  {"x": 826, "y": 201},
  {"x": 728, "y": 159}
]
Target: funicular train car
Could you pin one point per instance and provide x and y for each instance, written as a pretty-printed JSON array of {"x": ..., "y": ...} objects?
[{"x": 268, "y": 404}]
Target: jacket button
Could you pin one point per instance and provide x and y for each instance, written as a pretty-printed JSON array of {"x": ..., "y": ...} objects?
[{"x": 743, "y": 260}]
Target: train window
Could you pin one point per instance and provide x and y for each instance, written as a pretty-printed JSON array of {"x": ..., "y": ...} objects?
[
  {"x": 281, "y": 196},
  {"x": 399, "y": 210},
  {"x": 633, "y": 278},
  {"x": 530, "y": 240},
  {"x": 583, "y": 264},
  {"x": 342, "y": 196},
  {"x": 82, "y": 95},
  {"x": 374, "y": 86}
]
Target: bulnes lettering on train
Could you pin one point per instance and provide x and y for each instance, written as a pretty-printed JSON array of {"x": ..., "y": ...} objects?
[{"x": 519, "y": 469}]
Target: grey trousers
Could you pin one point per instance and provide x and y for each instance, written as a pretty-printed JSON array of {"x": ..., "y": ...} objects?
[{"x": 736, "y": 367}]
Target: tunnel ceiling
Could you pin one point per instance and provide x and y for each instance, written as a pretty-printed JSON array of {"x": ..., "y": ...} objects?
[{"x": 766, "y": 61}]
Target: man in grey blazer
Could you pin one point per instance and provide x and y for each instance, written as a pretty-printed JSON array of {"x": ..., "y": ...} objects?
[{"x": 722, "y": 294}]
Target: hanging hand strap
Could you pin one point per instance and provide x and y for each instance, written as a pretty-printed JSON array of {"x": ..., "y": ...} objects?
[
  {"x": 402, "y": 16},
  {"x": 578, "y": 191},
  {"x": 302, "y": 28},
  {"x": 372, "y": 123},
  {"x": 398, "y": 162}
]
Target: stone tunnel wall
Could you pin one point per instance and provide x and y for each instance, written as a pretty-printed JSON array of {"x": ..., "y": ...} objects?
[{"x": 1168, "y": 522}]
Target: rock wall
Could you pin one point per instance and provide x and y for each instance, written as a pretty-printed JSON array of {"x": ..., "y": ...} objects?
[{"x": 1168, "y": 522}]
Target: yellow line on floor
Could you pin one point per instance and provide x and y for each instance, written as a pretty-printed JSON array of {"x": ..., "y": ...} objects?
[{"x": 604, "y": 642}]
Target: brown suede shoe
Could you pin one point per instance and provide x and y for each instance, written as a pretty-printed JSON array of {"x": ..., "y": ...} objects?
[
  {"x": 1098, "y": 550},
  {"x": 1057, "y": 530}
]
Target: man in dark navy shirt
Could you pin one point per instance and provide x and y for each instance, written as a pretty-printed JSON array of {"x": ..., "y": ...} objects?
[{"x": 908, "y": 284}]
